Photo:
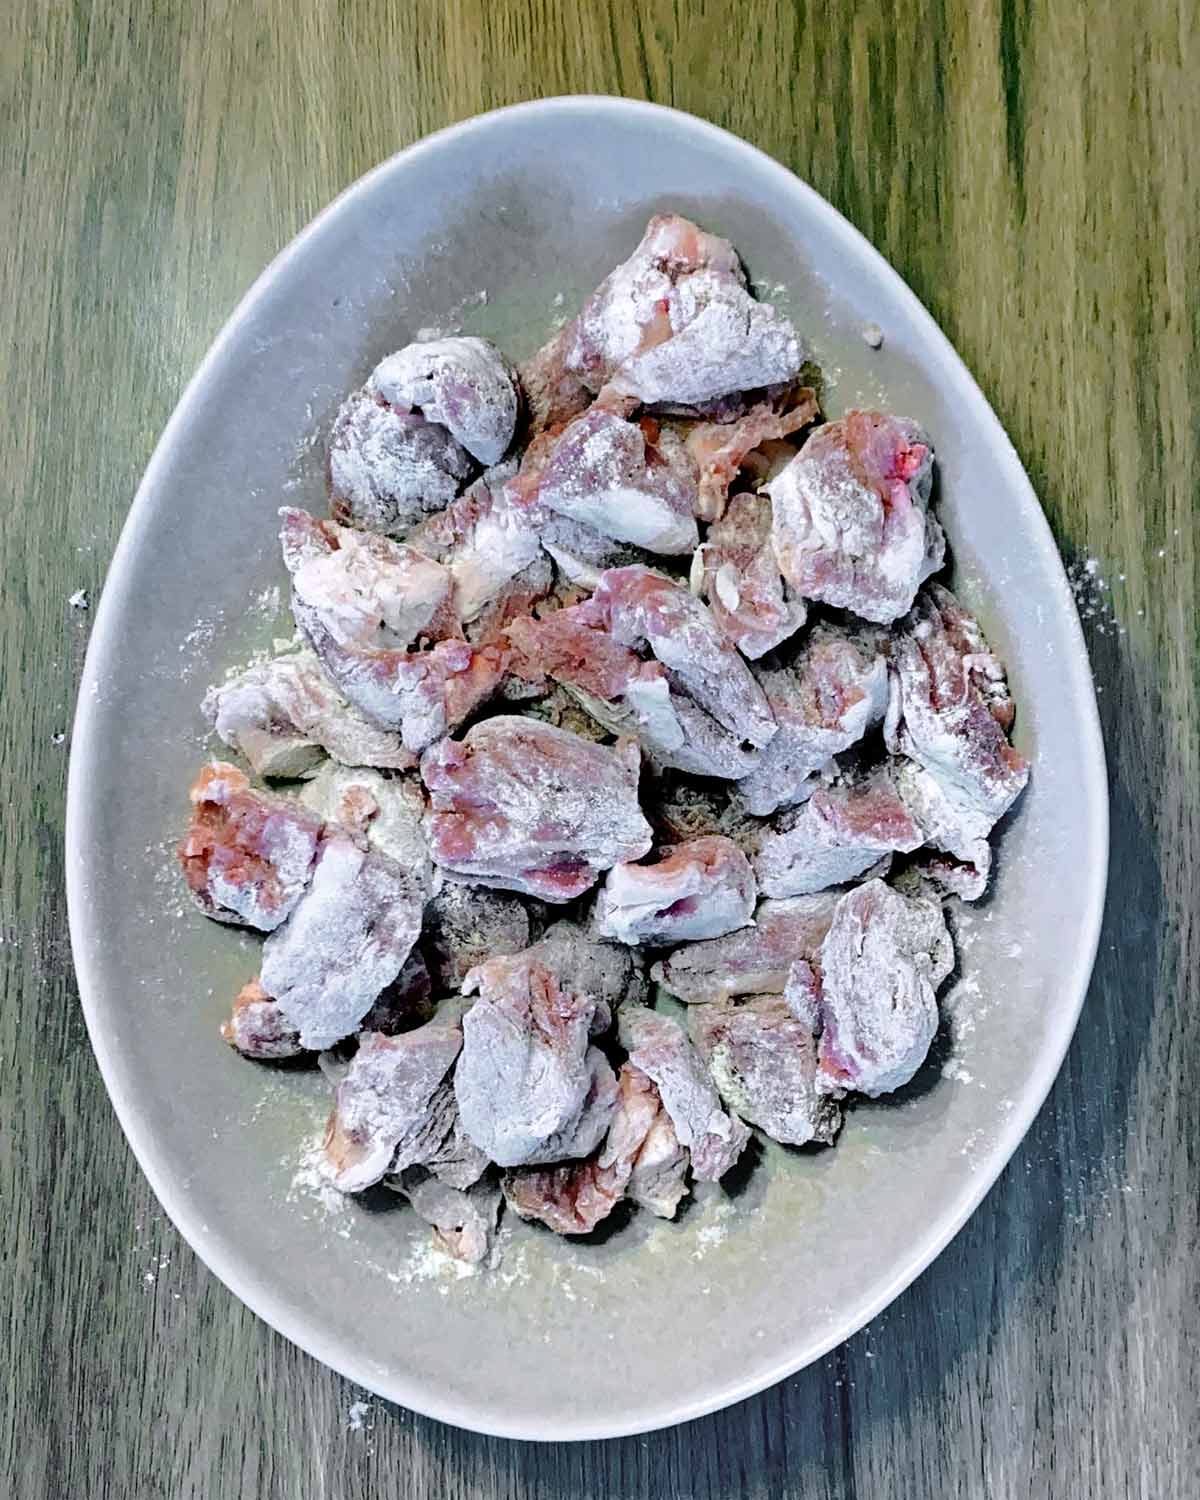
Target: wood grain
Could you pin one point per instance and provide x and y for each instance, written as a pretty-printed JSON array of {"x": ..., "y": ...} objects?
[{"x": 1030, "y": 169}]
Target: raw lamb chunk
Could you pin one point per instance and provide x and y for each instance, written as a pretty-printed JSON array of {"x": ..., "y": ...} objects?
[
  {"x": 573, "y": 1197},
  {"x": 346, "y": 941},
  {"x": 423, "y": 694},
  {"x": 526, "y": 807},
  {"x": 258, "y": 1028},
  {"x": 622, "y": 692},
  {"x": 740, "y": 578},
  {"x": 659, "y": 1178},
  {"x": 463, "y": 1221},
  {"x": 456, "y": 1160},
  {"x": 655, "y": 700},
  {"x": 387, "y": 810},
  {"x": 881, "y": 963},
  {"x": 824, "y": 702},
  {"x": 631, "y": 481},
  {"x": 366, "y": 591},
  {"x": 570, "y": 1198},
  {"x": 764, "y": 1063},
  {"x": 552, "y": 394},
  {"x": 948, "y": 712},
  {"x": 465, "y": 924},
  {"x": 465, "y": 384},
  {"x": 700, "y": 889},
  {"x": 640, "y": 607},
  {"x": 529, "y": 1086},
  {"x": 286, "y": 715},
  {"x": 389, "y": 467},
  {"x": 720, "y": 448},
  {"x": 851, "y": 524},
  {"x": 514, "y": 602},
  {"x": 247, "y": 856},
  {"x": 951, "y": 824},
  {"x": 361, "y": 602},
  {"x": 755, "y": 961},
  {"x": 839, "y": 833},
  {"x": 382, "y": 1119},
  {"x": 675, "y": 324},
  {"x": 660, "y": 1048},
  {"x": 489, "y": 545}
]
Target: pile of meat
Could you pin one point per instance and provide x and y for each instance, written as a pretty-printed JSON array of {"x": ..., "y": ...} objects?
[{"x": 619, "y": 676}]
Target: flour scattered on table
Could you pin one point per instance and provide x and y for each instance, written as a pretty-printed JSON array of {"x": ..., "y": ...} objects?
[
  {"x": 1093, "y": 596},
  {"x": 356, "y": 1417}
]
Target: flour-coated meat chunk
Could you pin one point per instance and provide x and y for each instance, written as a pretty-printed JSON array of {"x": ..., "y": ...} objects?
[
  {"x": 659, "y": 1180},
  {"x": 362, "y": 602},
  {"x": 520, "y": 805},
  {"x": 286, "y": 715},
  {"x": 836, "y": 836},
  {"x": 824, "y": 701},
  {"x": 624, "y": 693},
  {"x": 366, "y": 591},
  {"x": 764, "y": 1063},
  {"x": 463, "y": 1219},
  {"x": 948, "y": 713},
  {"x": 573, "y": 1197},
  {"x": 631, "y": 481},
  {"x": 345, "y": 942},
  {"x": 755, "y": 960},
  {"x": 640, "y": 607},
  {"x": 257, "y": 1028},
  {"x": 388, "y": 467},
  {"x": 851, "y": 521},
  {"x": 464, "y": 384},
  {"x": 529, "y": 1085},
  {"x": 881, "y": 964},
  {"x": 740, "y": 579},
  {"x": 383, "y": 1117},
  {"x": 490, "y": 547},
  {"x": 247, "y": 856},
  {"x": 674, "y": 324},
  {"x": 660, "y": 1047},
  {"x": 388, "y": 812},
  {"x": 422, "y": 694},
  {"x": 681, "y": 893}
]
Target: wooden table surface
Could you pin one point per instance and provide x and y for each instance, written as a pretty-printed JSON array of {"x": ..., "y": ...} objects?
[{"x": 1030, "y": 166}]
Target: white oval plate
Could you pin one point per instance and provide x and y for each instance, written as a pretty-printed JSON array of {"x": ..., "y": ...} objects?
[{"x": 501, "y": 225}]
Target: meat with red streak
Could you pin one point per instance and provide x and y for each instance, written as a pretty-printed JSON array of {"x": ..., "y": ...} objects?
[
  {"x": 719, "y": 449},
  {"x": 524, "y": 806},
  {"x": 247, "y": 856},
  {"x": 851, "y": 525},
  {"x": 741, "y": 581}
]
